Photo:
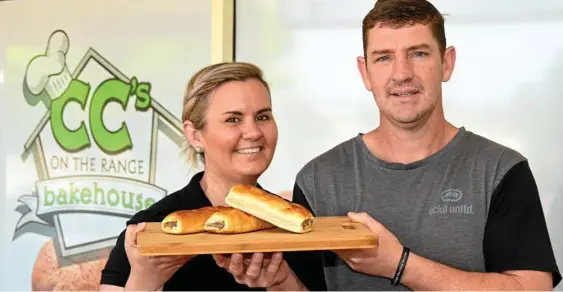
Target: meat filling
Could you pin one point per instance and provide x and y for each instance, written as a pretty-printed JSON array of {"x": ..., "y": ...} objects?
[
  {"x": 171, "y": 224},
  {"x": 218, "y": 224},
  {"x": 307, "y": 224}
]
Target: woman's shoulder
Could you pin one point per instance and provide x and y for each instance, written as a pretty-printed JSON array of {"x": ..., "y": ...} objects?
[{"x": 186, "y": 198}]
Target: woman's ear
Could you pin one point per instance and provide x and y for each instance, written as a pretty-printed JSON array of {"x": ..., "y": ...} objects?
[{"x": 191, "y": 134}]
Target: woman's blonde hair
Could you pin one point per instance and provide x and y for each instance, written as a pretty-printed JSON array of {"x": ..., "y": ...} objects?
[{"x": 200, "y": 88}]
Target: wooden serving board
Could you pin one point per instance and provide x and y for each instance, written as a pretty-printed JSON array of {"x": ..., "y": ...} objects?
[{"x": 329, "y": 233}]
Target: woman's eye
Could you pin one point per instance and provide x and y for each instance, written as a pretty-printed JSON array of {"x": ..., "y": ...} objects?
[
  {"x": 263, "y": 118},
  {"x": 233, "y": 120}
]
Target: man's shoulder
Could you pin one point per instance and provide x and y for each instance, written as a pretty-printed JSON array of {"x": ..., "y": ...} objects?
[
  {"x": 332, "y": 159},
  {"x": 489, "y": 150},
  {"x": 489, "y": 157}
]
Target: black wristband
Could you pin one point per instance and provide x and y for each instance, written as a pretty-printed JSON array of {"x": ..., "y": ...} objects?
[{"x": 401, "y": 267}]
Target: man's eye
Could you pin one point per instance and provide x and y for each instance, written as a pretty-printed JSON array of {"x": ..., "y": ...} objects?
[
  {"x": 382, "y": 59},
  {"x": 420, "y": 54},
  {"x": 233, "y": 120}
]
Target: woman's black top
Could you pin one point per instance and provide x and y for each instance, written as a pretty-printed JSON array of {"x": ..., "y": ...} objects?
[{"x": 201, "y": 272}]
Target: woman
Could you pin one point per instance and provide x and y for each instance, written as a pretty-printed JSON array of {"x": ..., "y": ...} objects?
[{"x": 229, "y": 125}]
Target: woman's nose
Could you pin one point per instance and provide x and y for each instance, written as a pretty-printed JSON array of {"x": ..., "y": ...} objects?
[{"x": 251, "y": 131}]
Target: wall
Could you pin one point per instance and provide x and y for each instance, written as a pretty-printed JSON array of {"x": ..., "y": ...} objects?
[
  {"x": 64, "y": 233},
  {"x": 505, "y": 85},
  {"x": 3, "y": 201}
]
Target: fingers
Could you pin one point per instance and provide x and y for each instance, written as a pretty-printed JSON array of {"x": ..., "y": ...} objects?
[
  {"x": 343, "y": 254},
  {"x": 165, "y": 262},
  {"x": 221, "y": 260},
  {"x": 254, "y": 269},
  {"x": 130, "y": 238},
  {"x": 236, "y": 266},
  {"x": 274, "y": 266},
  {"x": 131, "y": 233},
  {"x": 365, "y": 219}
]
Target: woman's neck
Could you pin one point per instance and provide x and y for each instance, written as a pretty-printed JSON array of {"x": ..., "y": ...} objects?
[{"x": 217, "y": 186}]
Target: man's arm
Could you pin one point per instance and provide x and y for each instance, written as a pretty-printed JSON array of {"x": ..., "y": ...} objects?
[
  {"x": 516, "y": 246},
  {"x": 424, "y": 274}
]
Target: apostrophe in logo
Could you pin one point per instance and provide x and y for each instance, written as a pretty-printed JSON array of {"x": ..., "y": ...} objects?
[
  {"x": 451, "y": 195},
  {"x": 94, "y": 150}
]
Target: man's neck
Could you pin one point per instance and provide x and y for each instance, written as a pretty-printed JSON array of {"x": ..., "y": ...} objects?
[
  {"x": 216, "y": 186},
  {"x": 399, "y": 145}
]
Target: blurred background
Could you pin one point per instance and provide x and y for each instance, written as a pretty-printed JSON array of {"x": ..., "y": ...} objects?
[{"x": 505, "y": 87}]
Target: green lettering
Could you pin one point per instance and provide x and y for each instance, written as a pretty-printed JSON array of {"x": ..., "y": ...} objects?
[
  {"x": 139, "y": 205},
  {"x": 111, "y": 90},
  {"x": 70, "y": 140},
  {"x": 85, "y": 196},
  {"x": 100, "y": 192},
  {"x": 149, "y": 202},
  {"x": 74, "y": 195},
  {"x": 61, "y": 197},
  {"x": 112, "y": 193},
  {"x": 144, "y": 99},
  {"x": 49, "y": 197},
  {"x": 127, "y": 199}
]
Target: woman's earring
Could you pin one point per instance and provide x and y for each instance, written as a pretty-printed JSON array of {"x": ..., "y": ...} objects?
[{"x": 198, "y": 149}]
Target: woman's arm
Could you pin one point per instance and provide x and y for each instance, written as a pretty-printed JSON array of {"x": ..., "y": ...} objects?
[{"x": 115, "y": 274}]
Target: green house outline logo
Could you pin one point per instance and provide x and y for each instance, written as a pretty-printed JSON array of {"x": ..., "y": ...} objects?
[{"x": 46, "y": 222}]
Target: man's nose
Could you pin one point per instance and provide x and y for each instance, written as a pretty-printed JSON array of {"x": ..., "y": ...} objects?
[{"x": 402, "y": 70}]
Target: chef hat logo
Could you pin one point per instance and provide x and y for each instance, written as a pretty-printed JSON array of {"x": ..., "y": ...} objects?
[{"x": 49, "y": 73}]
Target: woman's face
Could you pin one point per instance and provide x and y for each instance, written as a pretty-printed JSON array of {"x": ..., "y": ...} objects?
[{"x": 240, "y": 134}]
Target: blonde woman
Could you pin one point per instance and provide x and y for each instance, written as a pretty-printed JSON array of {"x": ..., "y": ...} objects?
[{"x": 228, "y": 122}]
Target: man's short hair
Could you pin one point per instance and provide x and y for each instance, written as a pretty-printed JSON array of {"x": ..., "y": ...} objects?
[{"x": 401, "y": 13}]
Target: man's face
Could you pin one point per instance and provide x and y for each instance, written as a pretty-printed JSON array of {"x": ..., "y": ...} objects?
[{"x": 404, "y": 70}]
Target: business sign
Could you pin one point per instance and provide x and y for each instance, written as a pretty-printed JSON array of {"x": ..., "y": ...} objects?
[{"x": 95, "y": 150}]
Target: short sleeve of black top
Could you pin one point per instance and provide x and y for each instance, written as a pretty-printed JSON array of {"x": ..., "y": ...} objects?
[
  {"x": 201, "y": 272},
  {"x": 516, "y": 235}
]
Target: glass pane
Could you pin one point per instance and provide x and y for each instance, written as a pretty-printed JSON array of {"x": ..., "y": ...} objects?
[
  {"x": 505, "y": 85},
  {"x": 82, "y": 197}
]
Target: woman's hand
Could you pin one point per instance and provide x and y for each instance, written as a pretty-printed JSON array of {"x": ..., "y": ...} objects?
[
  {"x": 148, "y": 272},
  {"x": 257, "y": 271}
]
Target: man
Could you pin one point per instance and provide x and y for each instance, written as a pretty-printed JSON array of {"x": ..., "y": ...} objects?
[
  {"x": 452, "y": 210},
  {"x": 466, "y": 208}
]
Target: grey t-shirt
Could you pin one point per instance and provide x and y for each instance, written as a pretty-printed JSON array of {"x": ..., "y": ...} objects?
[{"x": 439, "y": 207}]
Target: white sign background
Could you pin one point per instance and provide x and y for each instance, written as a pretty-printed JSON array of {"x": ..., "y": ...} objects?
[{"x": 160, "y": 44}]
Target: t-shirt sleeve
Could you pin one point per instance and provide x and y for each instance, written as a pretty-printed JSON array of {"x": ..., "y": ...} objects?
[
  {"x": 116, "y": 271},
  {"x": 307, "y": 265},
  {"x": 516, "y": 235}
]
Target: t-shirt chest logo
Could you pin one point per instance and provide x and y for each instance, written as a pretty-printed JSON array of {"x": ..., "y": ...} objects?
[{"x": 451, "y": 202}]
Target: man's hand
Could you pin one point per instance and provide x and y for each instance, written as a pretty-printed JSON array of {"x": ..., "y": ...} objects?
[{"x": 380, "y": 261}]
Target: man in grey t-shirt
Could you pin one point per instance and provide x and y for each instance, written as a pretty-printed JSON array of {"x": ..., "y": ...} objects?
[{"x": 452, "y": 209}]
